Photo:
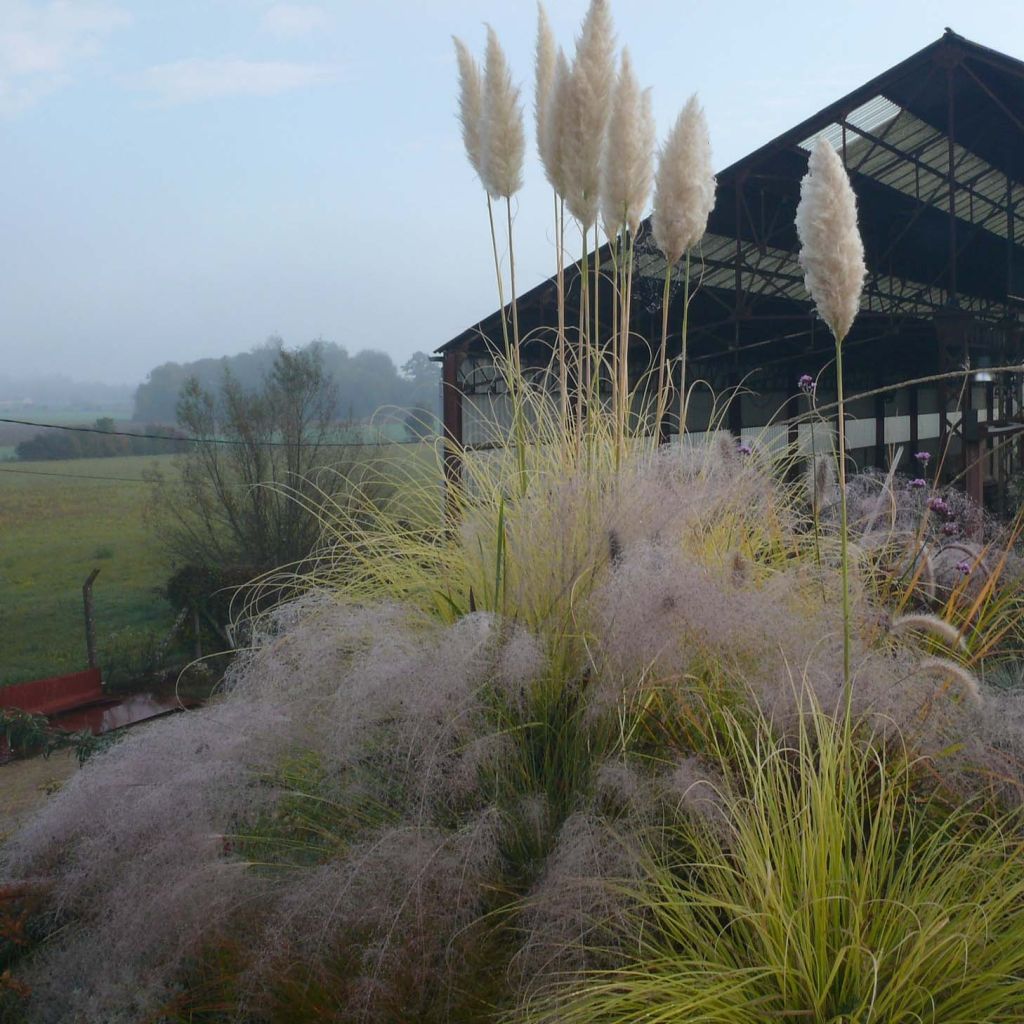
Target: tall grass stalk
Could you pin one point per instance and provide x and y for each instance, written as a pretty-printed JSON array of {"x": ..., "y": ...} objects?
[
  {"x": 832, "y": 256},
  {"x": 844, "y": 531},
  {"x": 682, "y": 359}
]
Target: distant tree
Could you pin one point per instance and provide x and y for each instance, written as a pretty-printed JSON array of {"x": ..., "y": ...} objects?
[
  {"x": 420, "y": 423},
  {"x": 425, "y": 377},
  {"x": 248, "y": 491}
]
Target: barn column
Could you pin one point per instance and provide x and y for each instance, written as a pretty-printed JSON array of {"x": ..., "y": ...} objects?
[{"x": 451, "y": 405}]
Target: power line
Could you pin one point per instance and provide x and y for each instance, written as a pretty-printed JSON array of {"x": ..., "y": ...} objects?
[
  {"x": 210, "y": 440},
  {"x": 74, "y": 476}
]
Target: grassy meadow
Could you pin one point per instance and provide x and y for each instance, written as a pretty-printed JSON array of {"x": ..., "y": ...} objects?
[{"x": 59, "y": 521}]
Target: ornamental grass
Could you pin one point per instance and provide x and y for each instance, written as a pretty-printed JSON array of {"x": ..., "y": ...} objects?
[{"x": 619, "y": 730}]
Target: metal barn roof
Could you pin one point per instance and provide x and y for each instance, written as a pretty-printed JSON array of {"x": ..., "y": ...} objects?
[{"x": 935, "y": 151}]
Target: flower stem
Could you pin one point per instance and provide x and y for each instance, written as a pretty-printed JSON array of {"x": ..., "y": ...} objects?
[
  {"x": 682, "y": 373},
  {"x": 662, "y": 402},
  {"x": 844, "y": 553},
  {"x": 517, "y": 395},
  {"x": 497, "y": 274},
  {"x": 563, "y": 381}
]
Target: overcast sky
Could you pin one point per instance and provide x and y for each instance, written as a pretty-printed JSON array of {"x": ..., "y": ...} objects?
[{"x": 183, "y": 178}]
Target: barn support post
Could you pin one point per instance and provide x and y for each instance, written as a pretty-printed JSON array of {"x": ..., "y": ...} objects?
[
  {"x": 880, "y": 431},
  {"x": 90, "y": 620},
  {"x": 795, "y": 463},
  {"x": 451, "y": 403},
  {"x": 915, "y": 434},
  {"x": 974, "y": 454}
]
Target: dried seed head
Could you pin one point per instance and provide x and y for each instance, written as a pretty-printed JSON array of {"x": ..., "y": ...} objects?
[
  {"x": 587, "y": 105},
  {"x": 627, "y": 167},
  {"x": 504, "y": 140},
  {"x": 555, "y": 152},
  {"x": 684, "y": 188},
  {"x": 471, "y": 106},
  {"x": 944, "y": 668},
  {"x": 923, "y": 623},
  {"x": 547, "y": 58},
  {"x": 831, "y": 250}
]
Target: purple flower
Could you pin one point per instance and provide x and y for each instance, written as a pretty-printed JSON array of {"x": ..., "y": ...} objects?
[
  {"x": 950, "y": 528},
  {"x": 744, "y": 448},
  {"x": 923, "y": 457},
  {"x": 964, "y": 568},
  {"x": 918, "y": 483},
  {"x": 806, "y": 384},
  {"x": 936, "y": 504}
]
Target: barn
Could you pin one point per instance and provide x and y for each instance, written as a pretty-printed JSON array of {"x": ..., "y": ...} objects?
[{"x": 935, "y": 151}]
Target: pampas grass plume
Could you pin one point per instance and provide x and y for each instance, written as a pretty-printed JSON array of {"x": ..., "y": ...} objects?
[
  {"x": 684, "y": 188},
  {"x": 504, "y": 140},
  {"x": 588, "y": 106},
  {"x": 555, "y": 152},
  {"x": 547, "y": 59},
  {"x": 831, "y": 250},
  {"x": 627, "y": 169},
  {"x": 471, "y": 107}
]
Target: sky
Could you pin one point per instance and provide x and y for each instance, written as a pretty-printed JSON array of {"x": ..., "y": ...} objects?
[{"x": 184, "y": 178}]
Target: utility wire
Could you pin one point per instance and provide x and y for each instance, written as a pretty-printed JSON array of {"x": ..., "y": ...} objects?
[
  {"x": 210, "y": 440},
  {"x": 75, "y": 476}
]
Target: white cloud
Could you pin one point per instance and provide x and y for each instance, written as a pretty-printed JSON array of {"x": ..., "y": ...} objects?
[
  {"x": 42, "y": 44},
  {"x": 186, "y": 81},
  {"x": 294, "y": 19}
]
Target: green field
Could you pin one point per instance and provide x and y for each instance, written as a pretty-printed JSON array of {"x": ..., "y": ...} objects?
[{"x": 57, "y": 523}]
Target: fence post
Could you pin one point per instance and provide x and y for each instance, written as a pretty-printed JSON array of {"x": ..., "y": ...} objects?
[{"x": 90, "y": 623}]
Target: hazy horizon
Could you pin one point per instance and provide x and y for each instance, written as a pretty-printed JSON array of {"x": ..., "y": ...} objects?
[{"x": 184, "y": 180}]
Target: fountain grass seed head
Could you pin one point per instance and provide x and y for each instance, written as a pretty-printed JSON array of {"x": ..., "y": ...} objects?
[
  {"x": 627, "y": 168},
  {"x": 831, "y": 250}
]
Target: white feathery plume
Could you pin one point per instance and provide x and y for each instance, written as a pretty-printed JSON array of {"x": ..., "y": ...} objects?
[
  {"x": 684, "y": 189},
  {"x": 504, "y": 141},
  {"x": 627, "y": 168},
  {"x": 547, "y": 56},
  {"x": 555, "y": 126},
  {"x": 588, "y": 105},
  {"x": 831, "y": 250},
  {"x": 471, "y": 106}
]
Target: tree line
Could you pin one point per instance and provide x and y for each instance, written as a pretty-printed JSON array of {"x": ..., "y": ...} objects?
[
  {"x": 364, "y": 382},
  {"x": 360, "y": 385},
  {"x": 73, "y": 444}
]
